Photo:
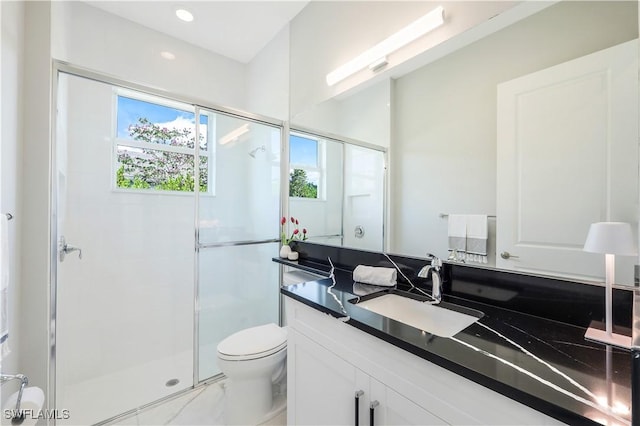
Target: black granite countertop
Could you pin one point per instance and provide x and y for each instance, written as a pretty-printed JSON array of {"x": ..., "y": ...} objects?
[{"x": 542, "y": 363}]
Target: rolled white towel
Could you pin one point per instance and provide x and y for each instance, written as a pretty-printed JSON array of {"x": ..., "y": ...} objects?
[
  {"x": 360, "y": 289},
  {"x": 386, "y": 277}
]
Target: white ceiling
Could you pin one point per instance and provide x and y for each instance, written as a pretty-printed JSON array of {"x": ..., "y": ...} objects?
[{"x": 236, "y": 29}]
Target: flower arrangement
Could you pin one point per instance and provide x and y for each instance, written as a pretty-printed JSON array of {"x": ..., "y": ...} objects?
[{"x": 296, "y": 235}]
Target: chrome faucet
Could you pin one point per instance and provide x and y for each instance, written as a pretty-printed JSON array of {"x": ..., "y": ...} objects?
[{"x": 436, "y": 280}]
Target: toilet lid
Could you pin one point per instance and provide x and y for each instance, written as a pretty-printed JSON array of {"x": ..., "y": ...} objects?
[{"x": 252, "y": 343}]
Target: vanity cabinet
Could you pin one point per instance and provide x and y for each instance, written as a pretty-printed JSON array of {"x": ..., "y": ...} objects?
[
  {"x": 328, "y": 361},
  {"x": 325, "y": 389},
  {"x": 324, "y": 384}
]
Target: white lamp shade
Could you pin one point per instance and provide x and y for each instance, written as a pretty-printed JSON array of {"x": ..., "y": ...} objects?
[{"x": 610, "y": 238}]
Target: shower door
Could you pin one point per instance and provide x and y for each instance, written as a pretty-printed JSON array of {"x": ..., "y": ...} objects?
[
  {"x": 124, "y": 320},
  {"x": 238, "y": 229}
]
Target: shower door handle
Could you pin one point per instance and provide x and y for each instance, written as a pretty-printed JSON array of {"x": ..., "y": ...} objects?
[{"x": 65, "y": 249}]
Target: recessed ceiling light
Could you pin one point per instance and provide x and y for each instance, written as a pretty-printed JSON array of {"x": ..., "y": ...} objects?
[
  {"x": 167, "y": 55},
  {"x": 185, "y": 15}
]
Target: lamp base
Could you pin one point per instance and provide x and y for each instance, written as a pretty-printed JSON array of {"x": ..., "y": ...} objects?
[{"x": 597, "y": 334}]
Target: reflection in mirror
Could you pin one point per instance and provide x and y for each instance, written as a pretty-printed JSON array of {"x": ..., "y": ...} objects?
[
  {"x": 363, "y": 210},
  {"x": 444, "y": 149},
  {"x": 361, "y": 115},
  {"x": 449, "y": 123},
  {"x": 336, "y": 190},
  {"x": 316, "y": 186}
]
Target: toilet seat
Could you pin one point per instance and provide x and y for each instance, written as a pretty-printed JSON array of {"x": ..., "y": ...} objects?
[{"x": 253, "y": 343}]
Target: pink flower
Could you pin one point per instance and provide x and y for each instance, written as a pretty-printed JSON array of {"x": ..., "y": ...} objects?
[{"x": 296, "y": 234}]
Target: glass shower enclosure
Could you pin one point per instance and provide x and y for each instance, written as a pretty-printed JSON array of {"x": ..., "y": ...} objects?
[
  {"x": 237, "y": 235},
  {"x": 164, "y": 222}
]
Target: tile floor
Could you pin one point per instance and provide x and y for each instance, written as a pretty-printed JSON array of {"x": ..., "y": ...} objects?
[{"x": 201, "y": 406}]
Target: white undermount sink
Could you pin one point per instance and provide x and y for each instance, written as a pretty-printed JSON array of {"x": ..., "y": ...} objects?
[{"x": 434, "y": 319}]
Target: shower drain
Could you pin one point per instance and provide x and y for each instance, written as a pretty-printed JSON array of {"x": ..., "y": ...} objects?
[{"x": 172, "y": 382}]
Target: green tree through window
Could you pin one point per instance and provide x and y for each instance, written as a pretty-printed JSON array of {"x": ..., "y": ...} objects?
[
  {"x": 300, "y": 186},
  {"x": 305, "y": 172},
  {"x": 143, "y": 168}
]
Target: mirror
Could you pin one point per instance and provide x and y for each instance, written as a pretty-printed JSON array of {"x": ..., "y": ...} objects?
[
  {"x": 445, "y": 152},
  {"x": 336, "y": 189}
]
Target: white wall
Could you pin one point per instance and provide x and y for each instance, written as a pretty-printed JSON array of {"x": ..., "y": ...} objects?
[
  {"x": 33, "y": 215},
  {"x": 92, "y": 38},
  {"x": 11, "y": 90},
  {"x": 444, "y": 152},
  {"x": 268, "y": 79}
]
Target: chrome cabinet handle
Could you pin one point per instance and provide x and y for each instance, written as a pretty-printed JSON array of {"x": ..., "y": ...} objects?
[
  {"x": 358, "y": 395},
  {"x": 507, "y": 255},
  {"x": 65, "y": 249},
  {"x": 372, "y": 409}
]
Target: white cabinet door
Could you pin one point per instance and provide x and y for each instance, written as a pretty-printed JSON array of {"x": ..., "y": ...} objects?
[
  {"x": 396, "y": 409},
  {"x": 322, "y": 390},
  {"x": 323, "y": 385},
  {"x": 567, "y": 157}
]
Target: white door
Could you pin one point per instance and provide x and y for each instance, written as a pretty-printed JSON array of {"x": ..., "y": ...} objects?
[
  {"x": 124, "y": 315},
  {"x": 567, "y": 157}
]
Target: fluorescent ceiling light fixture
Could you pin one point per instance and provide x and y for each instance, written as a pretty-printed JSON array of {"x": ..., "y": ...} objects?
[
  {"x": 234, "y": 134},
  {"x": 411, "y": 32},
  {"x": 184, "y": 14}
]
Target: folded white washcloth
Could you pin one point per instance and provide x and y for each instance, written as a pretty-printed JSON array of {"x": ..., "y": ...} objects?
[
  {"x": 477, "y": 236},
  {"x": 457, "y": 232},
  {"x": 386, "y": 277}
]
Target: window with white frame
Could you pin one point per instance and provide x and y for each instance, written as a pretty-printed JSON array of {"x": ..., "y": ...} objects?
[
  {"x": 305, "y": 166},
  {"x": 154, "y": 145}
]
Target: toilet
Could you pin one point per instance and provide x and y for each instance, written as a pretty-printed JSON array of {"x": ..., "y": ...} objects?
[{"x": 254, "y": 361}]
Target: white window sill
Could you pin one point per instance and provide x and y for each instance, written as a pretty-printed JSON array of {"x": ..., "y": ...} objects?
[{"x": 159, "y": 192}]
